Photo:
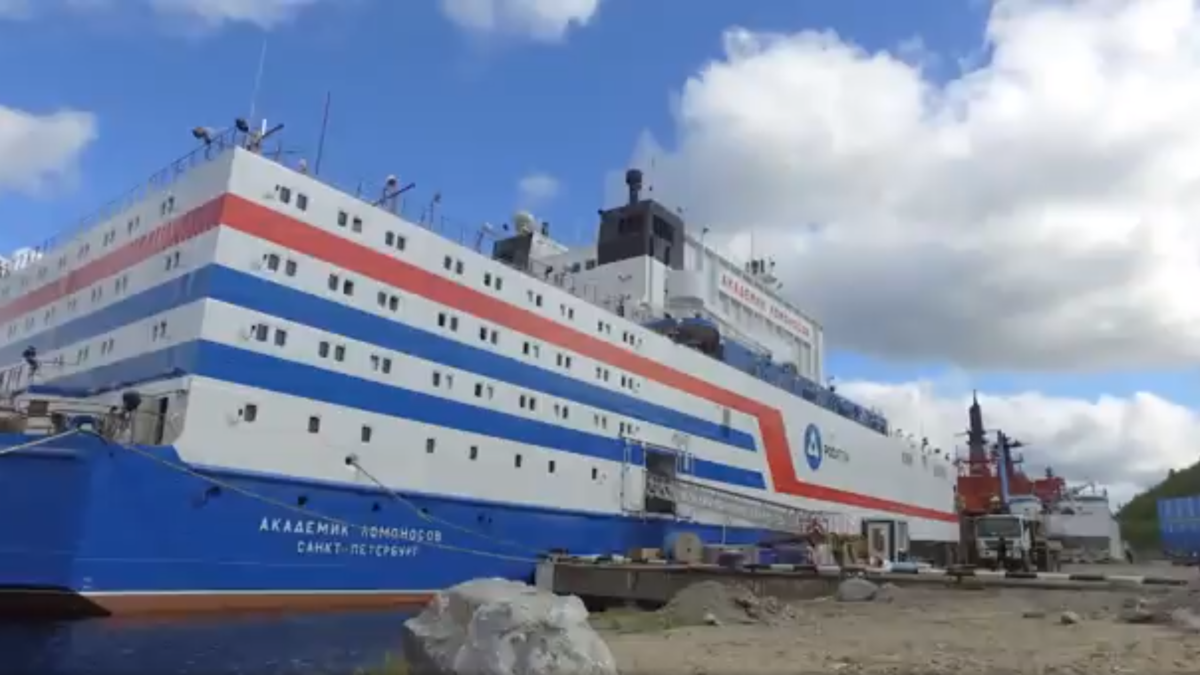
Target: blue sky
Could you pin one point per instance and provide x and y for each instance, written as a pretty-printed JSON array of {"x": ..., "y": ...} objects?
[{"x": 471, "y": 114}]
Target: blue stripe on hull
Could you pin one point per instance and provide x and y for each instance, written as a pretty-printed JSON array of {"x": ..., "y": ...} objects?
[
  {"x": 272, "y": 299},
  {"x": 261, "y": 371},
  {"x": 109, "y": 520}
]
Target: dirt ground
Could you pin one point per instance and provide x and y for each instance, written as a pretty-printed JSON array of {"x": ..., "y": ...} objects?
[
  {"x": 1156, "y": 569},
  {"x": 917, "y": 630}
]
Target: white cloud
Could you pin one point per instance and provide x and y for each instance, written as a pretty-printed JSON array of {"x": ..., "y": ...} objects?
[
  {"x": 262, "y": 13},
  {"x": 537, "y": 189},
  {"x": 540, "y": 20},
  {"x": 36, "y": 150},
  {"x": 1038, "y": 210},
  {"x": 1126, "y": 444}
]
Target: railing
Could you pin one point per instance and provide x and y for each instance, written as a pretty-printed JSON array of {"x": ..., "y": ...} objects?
[{"x": 158, "y": 181}]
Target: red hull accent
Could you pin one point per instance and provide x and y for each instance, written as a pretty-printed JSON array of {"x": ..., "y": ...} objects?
[{"x": 66, "y": 604}]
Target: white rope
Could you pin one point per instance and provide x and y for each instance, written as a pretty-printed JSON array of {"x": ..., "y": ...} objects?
[
  {"x": 434, "y": 519},
  {"x": 41, "y": 441},
  {"x": 305, "y": 512}
]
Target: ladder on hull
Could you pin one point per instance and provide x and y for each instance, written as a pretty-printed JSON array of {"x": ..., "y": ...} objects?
[{"x": 759, "y": 512}]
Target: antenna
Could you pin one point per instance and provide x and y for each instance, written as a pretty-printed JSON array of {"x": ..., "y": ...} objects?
[
  {"x": 430, "y": 213},
  {"x": 321, "y": 138},
  {"x": 486, "y": 230},
  {"x": 262, "y": 62}
]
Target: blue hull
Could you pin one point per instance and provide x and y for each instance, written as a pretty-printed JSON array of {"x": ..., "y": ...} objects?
[{"x": 118, "y": 530}]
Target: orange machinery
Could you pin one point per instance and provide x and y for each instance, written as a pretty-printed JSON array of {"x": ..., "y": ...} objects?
[{"x": 989, "y": 469}]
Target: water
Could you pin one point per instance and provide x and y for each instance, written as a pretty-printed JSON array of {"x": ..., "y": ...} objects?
[{"x": 325, "y": 644}]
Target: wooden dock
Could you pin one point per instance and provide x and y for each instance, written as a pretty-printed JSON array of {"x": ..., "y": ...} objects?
[{"x": 654, "y": 584}]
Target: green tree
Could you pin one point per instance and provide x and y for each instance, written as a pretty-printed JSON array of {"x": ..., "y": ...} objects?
[{"x": 1139, "y": 518}]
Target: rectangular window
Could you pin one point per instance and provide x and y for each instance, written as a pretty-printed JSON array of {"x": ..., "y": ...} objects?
[
  {"x": 334, "y": 282},
  {"x": 365, "y": 434},
  {"x": 249, "y": 412},
  {"x": 314, "y": 424}
]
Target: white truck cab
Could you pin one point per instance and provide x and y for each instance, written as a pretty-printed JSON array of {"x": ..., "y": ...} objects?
[{"x": 1015, "y": 529}]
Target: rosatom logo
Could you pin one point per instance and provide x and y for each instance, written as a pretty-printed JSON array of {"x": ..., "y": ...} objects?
[{"x": 814, "y": 451}]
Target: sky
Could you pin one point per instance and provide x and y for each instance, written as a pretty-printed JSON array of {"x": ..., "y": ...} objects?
[{"x": 968, "y": 195}]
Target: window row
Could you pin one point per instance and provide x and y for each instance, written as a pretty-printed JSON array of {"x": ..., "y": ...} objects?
[
  {"x": 346, "y": 220},
  {"x": 382, "y": 363},
  {"x": 250, "y": 413},
  {"x": 109, "y": 238},
  {"x": 533, "y": 349},
  {"x": 107, "y": 346},
  {"x": 450, "y": 263},
  {"x": 96, "y": 295}
]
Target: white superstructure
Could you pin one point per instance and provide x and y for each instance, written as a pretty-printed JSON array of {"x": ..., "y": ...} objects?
[{"x": 278, "y": 326}]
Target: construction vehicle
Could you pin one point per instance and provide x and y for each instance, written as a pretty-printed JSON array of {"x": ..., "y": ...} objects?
[
  {"x": 1027, "y": 546},
  {"x": 988, "y": 513}
]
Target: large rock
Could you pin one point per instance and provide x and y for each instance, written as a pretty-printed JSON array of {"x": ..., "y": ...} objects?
[
  {"x": 856, "y": 589},
  {"x": 499, "y": 627}
]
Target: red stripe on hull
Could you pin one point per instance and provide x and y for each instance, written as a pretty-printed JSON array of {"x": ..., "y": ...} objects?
[
  {"x": 270, "y": 225},
  {"x": 66, "y": 604},
  {"x": 187, "y": 226}
]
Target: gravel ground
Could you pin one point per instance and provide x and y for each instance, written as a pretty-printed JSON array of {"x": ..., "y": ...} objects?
[
  {"x": 1157, "y": 569},
  {"x": 916, "y": 630}
]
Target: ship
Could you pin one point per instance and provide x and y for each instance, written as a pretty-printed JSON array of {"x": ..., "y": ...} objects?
[
  {"x": 241, "y": 388},
  {"x": 991, "y": 473}
]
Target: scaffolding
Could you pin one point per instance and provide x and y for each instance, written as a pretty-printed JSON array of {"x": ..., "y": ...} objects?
[{"x": 758, "y": 512}]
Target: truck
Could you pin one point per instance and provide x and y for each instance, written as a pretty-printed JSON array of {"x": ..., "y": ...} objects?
[
  {"x": 1179, "y": 529},
  {"x": 1028, "y": 547}
]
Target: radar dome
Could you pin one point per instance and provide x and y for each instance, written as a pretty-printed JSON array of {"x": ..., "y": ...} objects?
[{"x": 524, "y": 222}]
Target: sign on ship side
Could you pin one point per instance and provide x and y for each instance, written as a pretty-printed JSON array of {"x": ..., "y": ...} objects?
[
  {"x": 321, "y": 537},
  {"x": 773, "y": 311}
]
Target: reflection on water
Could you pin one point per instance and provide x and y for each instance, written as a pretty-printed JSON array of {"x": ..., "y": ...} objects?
[{"x": 328, "y": 644}]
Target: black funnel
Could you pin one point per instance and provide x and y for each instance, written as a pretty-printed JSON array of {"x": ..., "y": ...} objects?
[{"x": 633, "y": 178}]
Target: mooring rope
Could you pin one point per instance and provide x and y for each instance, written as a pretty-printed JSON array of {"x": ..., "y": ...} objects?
[{"x": 307, "y": 513}]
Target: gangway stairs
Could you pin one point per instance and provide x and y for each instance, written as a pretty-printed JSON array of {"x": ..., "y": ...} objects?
[{"x": 758, "y": 512}]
